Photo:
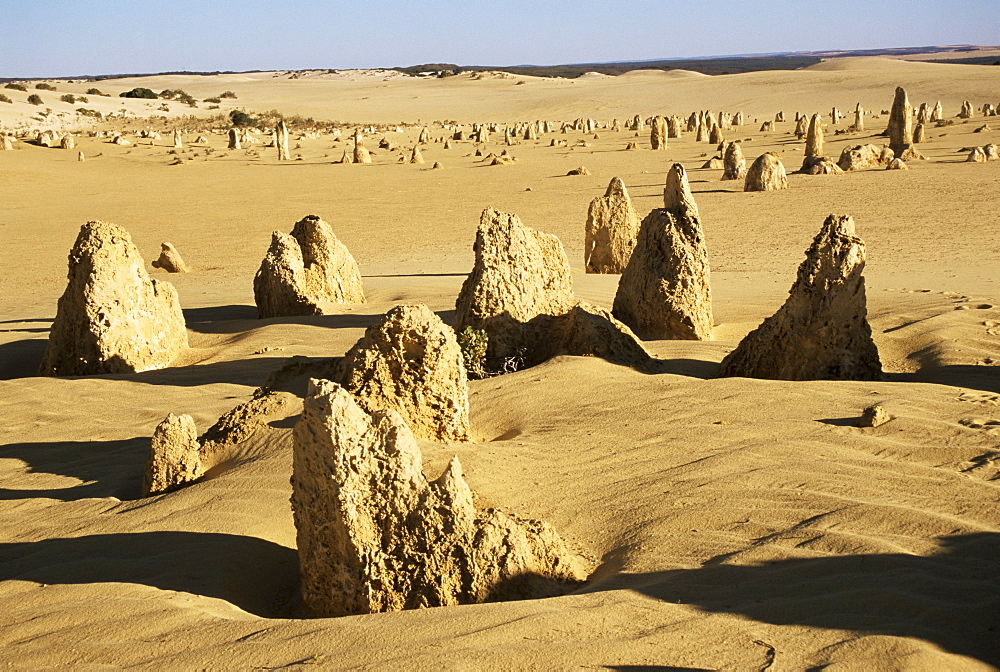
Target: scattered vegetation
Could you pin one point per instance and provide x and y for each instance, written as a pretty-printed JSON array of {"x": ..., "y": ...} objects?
[
  {"x": 5, "y": 99},
  {"x": 214, "y": 99},
  {"x": 138, "y": 92},
  {"x": 180, "y": 95},
  {"x": 96, "y": 92},
  {"x": 472, "y": 343},
  {"x": 241, "y": 119},
  {"x": 35, "y": 99},
  {"x": 68, "y": 98},
  {"x": 44, "y": 86},
  {"x": 227, "y": 94},
  {"x": 88, "y": 113},
  {"x": 16, "y": 87}
]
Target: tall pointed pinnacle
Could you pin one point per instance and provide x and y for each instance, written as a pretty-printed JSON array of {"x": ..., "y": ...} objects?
[{"x": 677, "y": 195}]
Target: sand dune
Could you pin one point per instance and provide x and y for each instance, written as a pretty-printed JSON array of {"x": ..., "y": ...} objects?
[{"x": 732, "y": 523}]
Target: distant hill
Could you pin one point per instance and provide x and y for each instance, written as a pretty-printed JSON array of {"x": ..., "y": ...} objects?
[{"x": 711, "y": 65}]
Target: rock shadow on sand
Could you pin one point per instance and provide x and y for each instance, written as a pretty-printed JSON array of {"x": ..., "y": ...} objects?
[
  {"x": 107, "y": 468},
  {"x": 951, "y": 599},
  {"x": 258, "y": 576}
]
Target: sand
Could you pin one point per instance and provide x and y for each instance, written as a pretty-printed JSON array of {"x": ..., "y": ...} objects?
[{"x": 731, "y": 523}]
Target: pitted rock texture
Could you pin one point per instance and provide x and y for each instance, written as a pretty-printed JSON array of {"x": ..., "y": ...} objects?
[
  {"x": 822, "y": 331},
  {"x": 410, "y": 362},
  {"x": 373, "y": 535},
  {"x": 305, "y": 268},
  {"x": 112, "y": 318},
  {"x": 612, "y": 227}
]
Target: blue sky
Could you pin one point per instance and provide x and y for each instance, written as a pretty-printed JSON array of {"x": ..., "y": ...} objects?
[{"x": 42, "y": 38}]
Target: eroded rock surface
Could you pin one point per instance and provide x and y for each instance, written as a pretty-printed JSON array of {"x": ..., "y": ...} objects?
[
  {"x": 664, "y": 290},
  {"x": 410, "y": 362},
  {"x": 822, "y": 331},
  {"x": 612, "y": 227},
  {"x": 112, "y": 318},
  {"x": 174, "y": 456},
  {"x": 374, "y": 535},
  {"x": 305, "y": 268},
  {"x": 766, "y": 173},
  {"x": 520, "y": 292}
]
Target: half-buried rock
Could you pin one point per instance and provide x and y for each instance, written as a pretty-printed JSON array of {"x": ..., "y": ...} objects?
[
  {"x": 170, "y": 260},
  {"x": 822, "y": 331},
  {"x": 612, "y": 227},
  {"x": 410, "y": 362},
  {"x": 767, "y": 173},
  {"x": 373, "y": 535},
  {"x": 664, "y": 290},
  {"x": 520, "y": 292},
  {"x": 304, "y": 269},
  {"x": 174, "y": 456},
  {"x": 112, "y": 318}
]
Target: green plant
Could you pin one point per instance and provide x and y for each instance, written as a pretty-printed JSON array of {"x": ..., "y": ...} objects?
[
  {"x": 241, "y": 119},
  {"x": 215, "y": 99},
  {"x": 16, "y": 87},
  {"x": 68, "y": 98},
  {"x": 227, "y": 94},
  {"x": 35, "y": 99},
  {"x": 5, "y": 99},
  {"x": 44, "y": 86},
  {"x": 138, "y": 92},
  {"x": 82, "y": 99},
  {"x": 96, "y": 92},
  {"x": 473, "y": 343}
]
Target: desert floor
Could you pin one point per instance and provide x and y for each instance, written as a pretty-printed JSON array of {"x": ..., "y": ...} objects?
[{"x": 732, "y": 523}]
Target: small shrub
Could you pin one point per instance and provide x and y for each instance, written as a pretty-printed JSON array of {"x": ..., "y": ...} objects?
[
  {"x": 68, "y": 98},
  {"x": 88, "y": 113},
  {"x": 16, "y": 87},
  {"x": 35, "y": 99},
  {"x": 241, "y": 119},
  {"x": 82, "y": 99},
  {"x": 5, "y": 99},
  {"x": 214, "y": 99},
  {"x": 472, "y": 343},
  {"x": 138, "y": 92},
  {"x": 96, "y": 92},
  {"x": 43, "y": 86},
  {"x": 164, "y": 107},
  {"x": 227, "y": 94}
]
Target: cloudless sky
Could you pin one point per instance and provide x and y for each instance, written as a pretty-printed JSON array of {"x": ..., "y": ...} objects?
[{"x": 49, "y": 38}]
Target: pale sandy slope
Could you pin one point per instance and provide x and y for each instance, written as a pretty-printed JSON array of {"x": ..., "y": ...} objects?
[{"x": 729, "y": 521}]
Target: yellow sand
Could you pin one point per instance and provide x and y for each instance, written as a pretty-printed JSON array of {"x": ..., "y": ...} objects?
[{"x": 730, "y": 522}]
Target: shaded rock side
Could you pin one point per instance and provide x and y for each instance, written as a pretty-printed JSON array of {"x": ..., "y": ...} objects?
[
  {"x": 373, "y": 535},
  {"x": 304, "y": 268},
  {"x": 822, "y": 330},
  {"x": 174, "y": 456},
  {"x": 612, "y": 227},
  {"x": 664, "y": 291},
  {"x": 410, "y": 362},
  {"x": 112, "y": 317}
]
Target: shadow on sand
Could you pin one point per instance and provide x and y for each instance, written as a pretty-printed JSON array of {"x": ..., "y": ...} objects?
[
  {"x": 258, "y": 576},
  {"x": 951, "y": 599},
  {"x": 108, "y": 468}
]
